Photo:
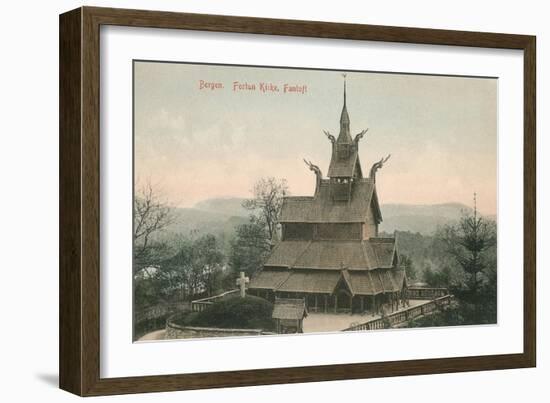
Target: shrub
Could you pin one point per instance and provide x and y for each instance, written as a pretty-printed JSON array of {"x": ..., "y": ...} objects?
[{"x": 235, "y": 312}]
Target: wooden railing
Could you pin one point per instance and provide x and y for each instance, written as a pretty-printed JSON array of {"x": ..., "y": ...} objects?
[
  {"x": 158, "y": 311},
  {"x": 200, "y": 305},
  {"x": 403, "y": 316},
  {"x": 426, "y": 293}
]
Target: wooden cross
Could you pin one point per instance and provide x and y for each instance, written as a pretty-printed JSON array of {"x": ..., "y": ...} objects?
[{"x": 241, "y": 283}]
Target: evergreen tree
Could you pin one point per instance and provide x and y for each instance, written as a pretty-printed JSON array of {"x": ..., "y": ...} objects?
[{"x": 469, "y": 243}]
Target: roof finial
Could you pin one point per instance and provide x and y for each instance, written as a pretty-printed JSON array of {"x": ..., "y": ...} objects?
[
  {"x": 344, "y": 135},
  {"x": 344, "y": 75}
]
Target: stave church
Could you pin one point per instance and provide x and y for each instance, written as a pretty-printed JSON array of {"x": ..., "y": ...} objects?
[{"x": 330, "y": 254}]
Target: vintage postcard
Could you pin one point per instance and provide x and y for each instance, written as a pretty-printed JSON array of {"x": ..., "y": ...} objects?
[{"x": 271, "y": 200}]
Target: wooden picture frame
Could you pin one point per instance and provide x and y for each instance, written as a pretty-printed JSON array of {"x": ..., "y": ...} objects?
[{"x": 79, "y": 346}]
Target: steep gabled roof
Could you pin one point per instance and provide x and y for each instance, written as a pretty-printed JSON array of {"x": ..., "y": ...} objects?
[
  {"x": 362, "y": 284},
  {"x": 289, "y": 308},
  {"x": 322, "y": 209},
  {"x": 346, "y": 281},
  {"x": 376, "y": 281},
  {"x": 385, "y": 250},
  {"x": 348, "y": 167}
]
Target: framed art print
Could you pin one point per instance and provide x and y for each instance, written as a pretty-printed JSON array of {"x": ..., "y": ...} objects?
[{"x": 250, "y": 201}]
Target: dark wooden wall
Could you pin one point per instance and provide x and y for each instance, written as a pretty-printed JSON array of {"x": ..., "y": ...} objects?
[{"x": 322, "y": 231}]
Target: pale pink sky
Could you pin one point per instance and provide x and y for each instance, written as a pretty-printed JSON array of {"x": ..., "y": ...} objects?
[{"x": 202, "y": 143}]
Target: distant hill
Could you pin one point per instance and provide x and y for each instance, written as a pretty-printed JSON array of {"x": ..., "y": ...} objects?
[
  {"x": 231, "y": 206},
  {"x": 422, "y": 218},
  {"x": 221, "y": 216}
]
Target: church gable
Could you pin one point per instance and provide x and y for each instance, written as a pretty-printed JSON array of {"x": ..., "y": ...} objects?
[
  {"x": 385, "y": 251},
  {"x": 344, "y": 167},
  {"x": 344, "y": 283}
]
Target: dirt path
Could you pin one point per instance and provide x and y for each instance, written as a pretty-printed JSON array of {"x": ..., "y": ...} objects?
[{"x": 156, "y": 335}]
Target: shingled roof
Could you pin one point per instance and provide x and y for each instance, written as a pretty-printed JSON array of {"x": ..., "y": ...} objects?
[
  {"x": 268, "y": 279},
  {"x": 347, "y": 167},
  {"x": 376, "y": 282},
  {"x": 385, "y": 250},
  {"x": 289, "y": 308},
  {"x": 309, "y": 281},
  {"x": 321, "y": 208},
  {"x": 374, "y": 253},
  {"x": 325, "y": 282}
]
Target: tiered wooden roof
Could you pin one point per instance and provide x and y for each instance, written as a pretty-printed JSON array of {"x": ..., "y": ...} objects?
[
  {"x": 316, "y": 265},
  {"x": 374, "y": 253},
  {"x": 321, "y": 209},
  {"x": 325, "y": 282}
]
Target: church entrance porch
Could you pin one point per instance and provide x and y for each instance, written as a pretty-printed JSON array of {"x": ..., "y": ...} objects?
[{"x": 340, "y": 302}]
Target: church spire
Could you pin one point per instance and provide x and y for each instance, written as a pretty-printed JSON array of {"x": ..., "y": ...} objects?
[
  {"x": 344, "y": 90},
  {"x": 344, "y": 136},
  {"x": 344, "y": 165}
]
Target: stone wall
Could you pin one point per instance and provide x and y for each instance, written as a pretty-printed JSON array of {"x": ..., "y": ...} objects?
[{"x": 174, "y": 331}]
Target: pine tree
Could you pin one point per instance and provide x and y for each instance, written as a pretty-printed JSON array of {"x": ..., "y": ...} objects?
[{"x": 468, "y": 243}]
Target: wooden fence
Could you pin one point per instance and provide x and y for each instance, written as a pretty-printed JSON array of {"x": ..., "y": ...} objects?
[
  {"x": 426, "y": 293},
  {"x": 200, "y": 305},
  {"x": 402, "y": 316},
  {"x": 159, "y": 310}
]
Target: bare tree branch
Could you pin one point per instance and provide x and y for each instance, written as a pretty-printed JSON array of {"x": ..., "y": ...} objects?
[
  {"x": 152, "y": 214},
  {"x": 267, "y": 203}
]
